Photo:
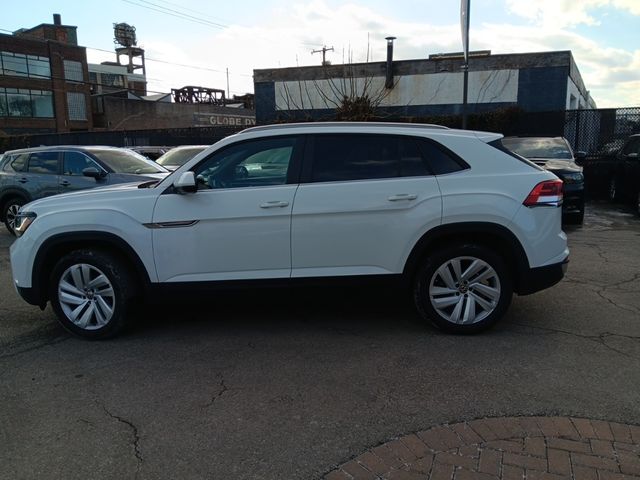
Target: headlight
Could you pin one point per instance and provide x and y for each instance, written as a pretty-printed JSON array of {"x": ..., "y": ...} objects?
[
  {"x": 576, "y": 177},
  {"x": 22, "y": 222}
]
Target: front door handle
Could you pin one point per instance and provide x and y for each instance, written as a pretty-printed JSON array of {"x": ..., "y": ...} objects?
[
  {"x": 23, "y": 180},
  {"x": 402, "y": 196},
  {"x": 65, "y": 183},
  {"x": 274, "y": 204}
]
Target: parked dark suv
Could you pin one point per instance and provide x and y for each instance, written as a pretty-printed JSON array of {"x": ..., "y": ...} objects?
[
  {"x": 618, "y": 171},
  {"x": 555, "y": 154},
  {"x": 32, "y": 173}
]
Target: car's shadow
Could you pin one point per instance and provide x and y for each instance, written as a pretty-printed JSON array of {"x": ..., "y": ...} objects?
[{"x": 286, "y": 309}]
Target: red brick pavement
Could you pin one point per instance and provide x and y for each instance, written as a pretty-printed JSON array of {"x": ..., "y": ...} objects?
[{"x": 518, "y": 448}]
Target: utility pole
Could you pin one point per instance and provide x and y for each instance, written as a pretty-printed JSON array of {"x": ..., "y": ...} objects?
[
  {"x": 324, "y": 51},
  {"x": 228, "y": 93},
  {"x": 465, "y": 11}
]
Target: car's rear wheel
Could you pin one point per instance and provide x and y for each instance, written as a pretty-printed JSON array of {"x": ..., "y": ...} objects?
[
  {"x": 463, "y": 289},
  {"x": 10, "y": 211},
  {"x": 90, "y": 292}
]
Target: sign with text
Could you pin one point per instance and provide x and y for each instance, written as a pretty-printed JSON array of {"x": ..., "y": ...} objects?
[{"x": 221, "y": 120}]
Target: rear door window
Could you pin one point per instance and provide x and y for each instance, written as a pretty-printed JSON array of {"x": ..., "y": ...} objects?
[
  {"x": 43, "y": 162},
  {"x": 344, "y": 157}
]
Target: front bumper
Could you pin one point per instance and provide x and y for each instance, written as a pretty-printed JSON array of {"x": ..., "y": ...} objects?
[
  {"x": 533, "y": 280},
  {"x": 32, "y": 296}
]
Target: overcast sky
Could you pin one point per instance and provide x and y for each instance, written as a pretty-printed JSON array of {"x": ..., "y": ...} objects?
[{"x": 604, "y": 35}]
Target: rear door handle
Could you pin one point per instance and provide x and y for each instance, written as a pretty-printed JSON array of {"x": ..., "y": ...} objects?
[
  {"x": 402, "y": 196},
  {"x": 23, "y": 180},
  {"x": 274, "y": 204},
  {"x": 65, "y": 183}
]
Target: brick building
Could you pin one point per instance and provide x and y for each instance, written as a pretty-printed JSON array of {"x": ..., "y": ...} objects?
[{"x": 44, "y": 81}]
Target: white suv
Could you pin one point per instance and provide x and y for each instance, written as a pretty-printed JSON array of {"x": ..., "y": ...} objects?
[{"x": 464, "y": 222}]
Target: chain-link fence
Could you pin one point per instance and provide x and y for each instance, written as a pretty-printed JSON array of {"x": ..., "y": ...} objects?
[{"x": 600, "y": 132}]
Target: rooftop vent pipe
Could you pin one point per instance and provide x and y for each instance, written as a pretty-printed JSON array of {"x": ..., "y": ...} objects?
[
  {"x": 389, "y": 80},
  {"x": 57, "y": 19}
]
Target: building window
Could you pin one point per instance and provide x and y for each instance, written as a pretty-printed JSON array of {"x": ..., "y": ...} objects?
[
  {"x": 14, "y": 64},
  {"x": 73, "y": 71},
  {"x": 112, "y": 80},
  {"x": 19, "y": 65},
  {"x": 20, "y": 102},
  {"x": 77, "y": 106},
  {"x": 42, "y": 103},
  {"x": 38, "y": 66}
]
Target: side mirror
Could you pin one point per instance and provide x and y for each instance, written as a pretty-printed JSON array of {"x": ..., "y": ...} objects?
[
  {"x": 632, "y": 156},
  {"x": 580, "y": 158},
  {"x": 93, "y": 172},
  {"x": 186, "y": 183}
]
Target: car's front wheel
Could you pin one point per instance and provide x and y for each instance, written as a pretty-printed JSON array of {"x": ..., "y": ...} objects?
[
  {"x": 463, "y": 289},
  {"x": 90, "y": 292}
]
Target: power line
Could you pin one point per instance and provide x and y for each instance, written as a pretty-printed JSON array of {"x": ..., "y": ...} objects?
[
  {"x": 175, "y": 13},
  {"x": 195, "y": 67},
  {"x": 188, "y": 9}
]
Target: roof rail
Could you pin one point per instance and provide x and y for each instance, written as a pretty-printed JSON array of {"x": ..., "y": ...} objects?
[{"x": 342, "y": 124}]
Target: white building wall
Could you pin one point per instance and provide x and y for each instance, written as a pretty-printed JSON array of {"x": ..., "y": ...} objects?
[{"x": 495, "y": 86}]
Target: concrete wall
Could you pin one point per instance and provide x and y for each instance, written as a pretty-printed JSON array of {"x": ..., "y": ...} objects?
[
  {"x": 125, "y": 114},
  {"x": 535, "y": 82}
]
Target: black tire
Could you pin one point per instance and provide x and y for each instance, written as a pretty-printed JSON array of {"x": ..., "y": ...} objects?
[
  {"x": 614, "y": 192},
  {"x": 576, "y": 218},
  {"x": 9, "y": 209},
  {"x": 428, "y": 279},
  {"x": 118, "y": 277}
]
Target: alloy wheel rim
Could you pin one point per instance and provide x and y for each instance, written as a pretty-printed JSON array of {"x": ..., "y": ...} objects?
[
  {"x": 12, "y": 212},
  {"x": 86, "y": 296},
  {"x": 464, "y": 290}
]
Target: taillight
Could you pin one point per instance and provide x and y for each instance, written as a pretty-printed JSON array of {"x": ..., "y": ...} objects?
[{"x": 547, "y": 193}]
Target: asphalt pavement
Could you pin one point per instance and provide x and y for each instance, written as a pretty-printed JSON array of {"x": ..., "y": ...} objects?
[{"x": 277, "y": 384}]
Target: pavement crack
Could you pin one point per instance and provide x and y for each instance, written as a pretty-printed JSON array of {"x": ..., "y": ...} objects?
[
  {"x": 33, "y": 347},
  {"x": 136, "y": 438},
  {"x": 600, "y": 338},
  {"x": 223, "y": 389}
]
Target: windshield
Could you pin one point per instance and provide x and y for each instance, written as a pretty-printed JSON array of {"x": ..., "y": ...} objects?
[
  {"x": 179, "y": 156},
  {"x": 533, "y": 147},
  {"x": 126, "y": 161}
]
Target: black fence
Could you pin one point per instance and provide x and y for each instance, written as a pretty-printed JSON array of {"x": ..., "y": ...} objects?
[
  {"x": 596, "y": 132},
  {"x": 600, "y": 132},
  {"x": 172, "y": 137}
]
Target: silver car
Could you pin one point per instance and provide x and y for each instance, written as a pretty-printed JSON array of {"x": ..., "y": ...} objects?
[{"x": 32, "y": 173}]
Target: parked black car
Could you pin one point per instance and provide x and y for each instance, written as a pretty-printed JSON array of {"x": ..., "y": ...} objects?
[
  {"x": 618, "y": 173},
  {"x": 32, "y": 173},
  {"x": 555, "y": 154}
]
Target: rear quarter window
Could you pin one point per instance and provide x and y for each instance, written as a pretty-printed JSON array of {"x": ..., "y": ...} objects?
[
  {"x": 440, "y": 159},
  {"x": 15, "y": 163}
]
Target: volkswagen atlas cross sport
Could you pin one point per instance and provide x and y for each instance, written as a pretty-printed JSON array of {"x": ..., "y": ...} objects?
[{"x": 461, "y": 221}]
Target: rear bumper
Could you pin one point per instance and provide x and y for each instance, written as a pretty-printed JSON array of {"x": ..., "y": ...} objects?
[{"x": 535, "y": 279}]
